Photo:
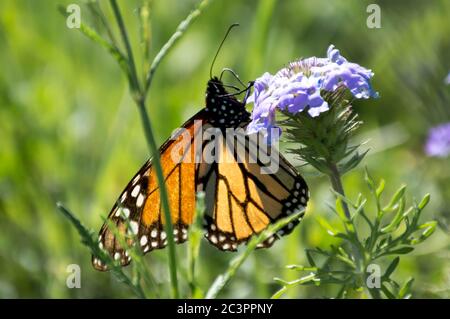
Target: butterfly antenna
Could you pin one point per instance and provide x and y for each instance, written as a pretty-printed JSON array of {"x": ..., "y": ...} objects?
[
  {"x": 233, "y": 73},
  {"x": 220, "y": 46}
]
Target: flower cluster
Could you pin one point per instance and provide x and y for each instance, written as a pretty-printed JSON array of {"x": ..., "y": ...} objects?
[
  {"x": 438, "y": 142},
  {"x": 300, "y": 86}
]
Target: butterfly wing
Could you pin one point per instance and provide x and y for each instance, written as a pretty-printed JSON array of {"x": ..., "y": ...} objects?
[
  {"x": 137, "y": 213},
  {"x": 248, "y": 195},
  {"x": 242, "y": 197}
]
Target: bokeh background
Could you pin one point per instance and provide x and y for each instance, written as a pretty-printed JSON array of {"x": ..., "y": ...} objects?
[{"x": 70, "y": 132}]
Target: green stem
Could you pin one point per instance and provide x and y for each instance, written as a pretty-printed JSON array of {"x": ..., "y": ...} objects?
[
  {"x": 156, "y": 162},
  {"x": 123, "y": 31},
  {"x": 169, "y": 44},
  {"x": 358, "y": 249},
  {"x": 139, "y": 97},
  {"x": 336, "y": 183}
]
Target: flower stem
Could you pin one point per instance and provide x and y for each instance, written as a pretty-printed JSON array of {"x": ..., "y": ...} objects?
[
  {"x": 336, "y": 183},
  {"x": 139, "y": 96},
  {"x": 156, "y": 162},
  {"x": 134, "y": 80}
]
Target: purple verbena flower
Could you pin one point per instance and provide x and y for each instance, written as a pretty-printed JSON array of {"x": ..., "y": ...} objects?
[
  {"x": 298, "y": 87},
  {"x": 438, "y": 141}
]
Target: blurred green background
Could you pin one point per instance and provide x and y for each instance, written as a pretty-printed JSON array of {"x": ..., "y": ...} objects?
[{"x": 70, "y": 132}]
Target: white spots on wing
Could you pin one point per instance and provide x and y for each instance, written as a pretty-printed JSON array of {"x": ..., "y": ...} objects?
[
  {"x": 140, "y": 200},
  {"x": 290, "y": 225},
  {"x": 303, "y": 200},
  {"x": 222, "y": 121},
  {"x": 221, "y": 238},
  {"x": 144, "y": 240},
  {"x": 233, "y": 246},
  {"x": 212, "y": 100},
  {"x": 223, "y": 107},
  {"x": 135, "y": 190},
  {"x": 175, "y": 232},
  {"x": 135, "y": 179},
  {"x": 147, "y": 248},
  {"x": 154, "y": 244},
  {"x": 294, "y": 200},
  {"x": 288, "y": 204},
  {"x": 100, "y": 245},
  {"x": 163, "y": 235},
  {"x": 123, "y": 197},
  {"x": 117, "y": 256},
  {"x": 303, "y": 191},
  {"x": 134, "y": 227},
  {"x": 213, "y": 227},
  {"x": 226, "y": 246},
  {"x": 297, "y": 185},
  {"x": 154, "y": 233},
  {"x": 213, "y": 239},
  {"x": 296, "y": 193},
  {"x": 117, "y": 213}
]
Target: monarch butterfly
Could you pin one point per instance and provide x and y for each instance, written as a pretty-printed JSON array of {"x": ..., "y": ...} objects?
[
  {"x": 243, "y": 195},
  {"x": 240, "y": 199}
]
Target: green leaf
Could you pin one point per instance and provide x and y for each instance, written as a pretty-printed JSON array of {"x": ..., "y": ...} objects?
[
  {"x": 386, "y": 291},
  {"x": 380, "y": 188},
  {"x": 325, "y": 225},
  {"x": 399, "y": 216},
  {"x": 310, "y": 258},
  {"x": 405, "y": 291},
  {"x": 424, "y": 202},
  {"x": 369, "y": 180},
  {"x": 391, "y": 268},
  {"x": 399, "y": 194},
  {"x": 359, "y": 209},
  {"x": 429, "y": 228},
  {"x": 353, "y": 162},
  {"x": 340, "y": 209}
]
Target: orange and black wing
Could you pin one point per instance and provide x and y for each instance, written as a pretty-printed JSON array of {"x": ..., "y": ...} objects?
[
  {"x": 137, "y": 214},
  {"x": 244, "y": 196}
]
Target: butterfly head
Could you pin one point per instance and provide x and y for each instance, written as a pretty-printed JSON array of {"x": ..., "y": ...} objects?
[{"x": 223, "y": 109}]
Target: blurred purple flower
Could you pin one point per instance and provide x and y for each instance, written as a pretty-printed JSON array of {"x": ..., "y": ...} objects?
[
  {"x": 298, "y": 87},
  {"x": 438, "y": 142}
]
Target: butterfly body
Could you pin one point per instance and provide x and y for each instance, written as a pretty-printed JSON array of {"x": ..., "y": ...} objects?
[
  {"x": 240, "y": 198},
  {"x": 222, "y": 110}
]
